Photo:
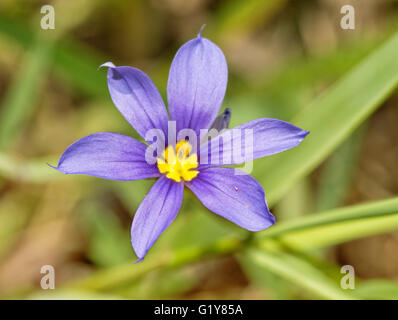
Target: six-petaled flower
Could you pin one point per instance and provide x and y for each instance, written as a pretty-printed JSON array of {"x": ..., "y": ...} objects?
[{"x": 195, "y": 91}]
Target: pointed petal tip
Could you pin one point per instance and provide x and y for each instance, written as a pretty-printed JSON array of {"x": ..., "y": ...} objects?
[
  {"x": 139, "y": 260},
  {"x": 198, "y": 68},
  {"x": 304, "y": 134},
  {"x": 56, "y": 168},
  {"x": 200, "y": 31},
  {"x": 51, "y": 166},
  {"x": 272, "y": 218},
  {"x": 63, "y": 171},
  {"x": 108, "y": 64},
  {"x": 269, "y": 221}
]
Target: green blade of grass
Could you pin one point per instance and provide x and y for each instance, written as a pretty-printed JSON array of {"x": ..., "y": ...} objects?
[
  {"x": 118, "y": 275},
  {"x": 377, "y": 289},
  {"x": 382, "y": 208},
  {"x": 237, "y": 16},
  {"x": 114, "y": 277},
  {"x": 336, "y": 233},
  {"x": 297, "y": 271},
  {"x": 333, "y": 117},
  {"x": 72, "y": 61},
  {"x": 337, "y": 175},
  {"x": 19, "y": 101},
  {"x": 336, "y": 226},
  {"x": 33, "y": 171}
]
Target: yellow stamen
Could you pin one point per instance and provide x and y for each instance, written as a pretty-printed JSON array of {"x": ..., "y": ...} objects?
[{"x": 177, "y": 164}]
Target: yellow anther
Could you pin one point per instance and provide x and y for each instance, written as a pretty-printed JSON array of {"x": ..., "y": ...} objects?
[{"x": 178, "y": 164}]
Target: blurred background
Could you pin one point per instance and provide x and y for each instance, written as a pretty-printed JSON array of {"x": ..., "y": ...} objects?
[{"x": 282, "y": 56}]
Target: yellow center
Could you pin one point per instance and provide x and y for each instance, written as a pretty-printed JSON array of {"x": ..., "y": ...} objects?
[{"x": 178, "y": 164}]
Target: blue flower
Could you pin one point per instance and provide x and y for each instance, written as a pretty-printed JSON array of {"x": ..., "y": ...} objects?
[{"x": 195, "y": 92}]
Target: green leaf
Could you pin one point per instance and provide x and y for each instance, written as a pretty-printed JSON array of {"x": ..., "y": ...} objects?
[
  {"x": 118, "y": 275},
  {"x": 333, "y": 117},
  {"x": 336, "y": 226},
  {"x": 241, "y": 16},
  {"x": 377, "y": 289},
  {"x": 378, "y": 209},
  {"x": 75, "y": 62},
  {"x": 298, "y": 271},
  {"x": 34, "y": 170},
  {"x": 269, "y": 284},
  {"x": 337, "y": 233},
  {"x": 78, "y": 64},
  {"x": 19, "y": 101},
  {"x": 109, "y": 243},
  {"x": 337, "y": 175}
]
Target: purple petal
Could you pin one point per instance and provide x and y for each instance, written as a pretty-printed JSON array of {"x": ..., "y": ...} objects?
[
  {"x": 107, "y": 155},
  {"x": 155, "y": 213},
  {"x": 238, "y": 198},
  {"x": 137, "y": 98},
  {"x": 197, "y": 83},
  {"x": 269, "y": 136}
]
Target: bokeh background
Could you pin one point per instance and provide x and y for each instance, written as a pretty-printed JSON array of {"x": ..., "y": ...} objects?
[{"x": 287, "y": 59}]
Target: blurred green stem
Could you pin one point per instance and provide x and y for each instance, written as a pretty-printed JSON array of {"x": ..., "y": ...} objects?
[
  {"x": 355, "y": 212},
  {"x": 120, "y": 275},
  {"x": 337, "y": 175},
  {"x": 130, "y": 272},
  {"x": 19, "y": 101}
]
